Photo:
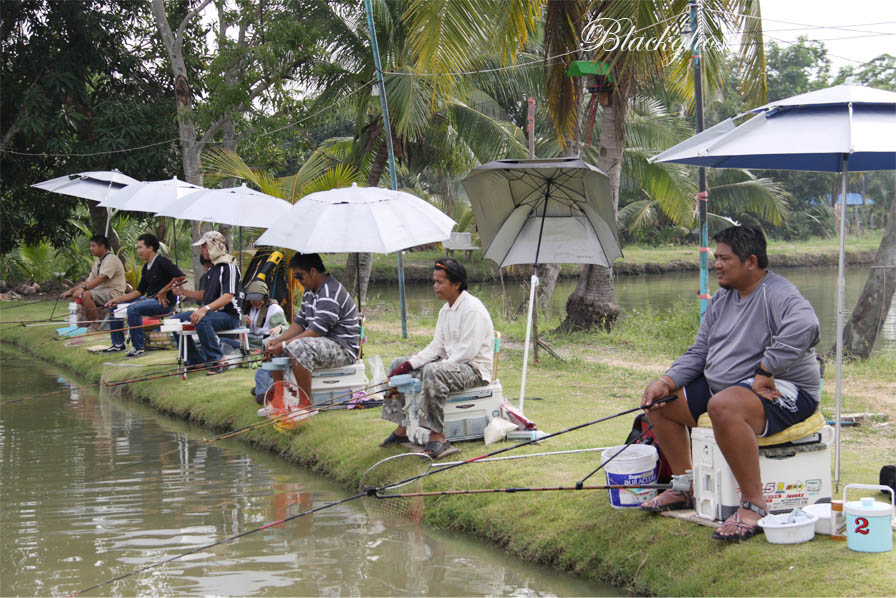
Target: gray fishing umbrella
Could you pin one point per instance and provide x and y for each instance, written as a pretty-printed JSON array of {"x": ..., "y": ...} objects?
[
  {"x": 96, "y": 185},
  {"x": 837, "y": 129},
  {"x": 551, "y": 211}
]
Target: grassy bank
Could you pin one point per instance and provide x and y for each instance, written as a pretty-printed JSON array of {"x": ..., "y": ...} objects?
[
  {"x": 638, "y": 259},
  {"x": 603, "y": 373}
]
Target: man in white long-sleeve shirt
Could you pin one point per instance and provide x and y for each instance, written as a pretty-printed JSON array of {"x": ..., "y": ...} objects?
[{"x": 459, "y": 356}]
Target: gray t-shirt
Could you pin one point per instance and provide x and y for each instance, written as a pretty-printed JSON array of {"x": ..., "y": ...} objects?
[
  {"x": 330, "y": 312},
  {"x": 773, "y": 325}
]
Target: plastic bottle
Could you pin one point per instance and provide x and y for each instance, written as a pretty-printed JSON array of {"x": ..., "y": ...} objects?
[
  {"x": 73, "y": 314},
  {"x": 838, "y": 521}
]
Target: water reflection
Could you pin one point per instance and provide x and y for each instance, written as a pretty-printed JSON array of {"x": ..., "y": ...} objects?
[{"x": 86, "y": 497}]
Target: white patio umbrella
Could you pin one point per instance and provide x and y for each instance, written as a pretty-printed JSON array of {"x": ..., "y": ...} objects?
[
  {"x": 237, "y": 206},
  {"x": 358, "y": 220},
  {"x": 95, "y": 185},
  {"x": 543, "y": 211},
  {"x": 150, "y": 196},
  {"x": 838, "y": 129}
]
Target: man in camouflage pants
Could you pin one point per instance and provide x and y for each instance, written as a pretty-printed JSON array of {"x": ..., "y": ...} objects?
[{"x": 459, "y": 357}]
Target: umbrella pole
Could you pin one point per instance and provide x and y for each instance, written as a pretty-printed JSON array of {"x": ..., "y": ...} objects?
[
  {"x": 358, "y": 280},
  {"x": 533, "y": 283},
  {"x": 841, "y": 284},
  {"x": 174, "y": 228},
  {"x": 239, "y": 232}
]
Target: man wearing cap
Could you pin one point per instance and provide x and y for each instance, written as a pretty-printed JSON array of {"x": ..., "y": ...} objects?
[
  {"x": 219, "y": 304},
  {"x": 325, "y": 333},
  {"x": 459, "y": 357},
  {"x": 152, "y": 297}
]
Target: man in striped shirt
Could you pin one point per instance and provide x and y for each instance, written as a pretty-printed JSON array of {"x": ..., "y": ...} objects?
[{"x": 325, "y": 333}]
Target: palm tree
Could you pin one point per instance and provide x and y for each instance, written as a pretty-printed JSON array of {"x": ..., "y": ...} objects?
[
  {"x": 437, "y": 125},
  {"x": 593, "y": 301}
]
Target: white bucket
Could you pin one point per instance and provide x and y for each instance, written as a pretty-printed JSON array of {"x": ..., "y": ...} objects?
[{"x": 638, "y": 464}]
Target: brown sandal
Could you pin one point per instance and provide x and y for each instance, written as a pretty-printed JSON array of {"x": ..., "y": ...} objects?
[
  {"x": 744, "y": 530},
  {"x": 685, "y": 501}
]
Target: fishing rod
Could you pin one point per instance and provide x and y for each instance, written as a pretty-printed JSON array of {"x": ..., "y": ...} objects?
[
  {"x": 219, "y": 542},
  {"x": 327, "y": 405},
  {"x": 177, "y": 372},
  {"x": 369, "y": 491},
  {"x": 529, "y": 456},
  {"x": 511, "y": 490},
  {"x": 619, "y": 452},
  {"x": 30, "y": 303},
  {"x": 98, "y": 332},
  {"x": 528, "y": 442},
  {"x": 44, "y": 394}
]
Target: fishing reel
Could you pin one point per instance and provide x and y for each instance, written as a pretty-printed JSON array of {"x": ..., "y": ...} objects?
[
  {"x": 405, "y": 384},
  {"x": 682, "y": 482}
]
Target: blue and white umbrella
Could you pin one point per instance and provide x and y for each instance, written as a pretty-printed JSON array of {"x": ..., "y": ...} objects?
[{"x": 838, "y": 129}]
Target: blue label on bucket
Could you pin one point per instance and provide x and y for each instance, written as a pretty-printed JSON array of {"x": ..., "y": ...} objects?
[{"x": 628, "y": 498}]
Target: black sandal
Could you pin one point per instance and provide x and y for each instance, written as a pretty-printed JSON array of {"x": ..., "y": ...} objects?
[
  {"x": 393, "y": 438},
  {"x": 686, "y": 502},
  {"x": 437, "y": 448},
  {"x": 744, "y": 530}
]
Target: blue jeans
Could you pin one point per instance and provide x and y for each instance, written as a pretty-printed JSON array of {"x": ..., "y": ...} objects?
[
  {"x": 263, "y": 381},
  {"x": 136, "y": 311},
  {"x": 210, "y": 349}
]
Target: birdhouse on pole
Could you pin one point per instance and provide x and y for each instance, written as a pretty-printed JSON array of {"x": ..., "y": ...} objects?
[{"x": 599, "y": 78}]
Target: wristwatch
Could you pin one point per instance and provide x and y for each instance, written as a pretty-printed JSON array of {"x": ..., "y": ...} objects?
[
  {"x": 761, "y": 372},
  {"x": 84, "y": 287}
]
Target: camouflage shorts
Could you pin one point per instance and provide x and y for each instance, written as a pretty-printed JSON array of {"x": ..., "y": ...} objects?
[
  {"x": 318, "y": 353},
  {"x": 439, "y": 379}
]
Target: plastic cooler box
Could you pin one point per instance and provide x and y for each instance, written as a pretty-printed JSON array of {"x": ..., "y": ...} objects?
[
  {"x": 468, "y": 412},
  {"x": 792, "y": 475},
  {"x": 336, "y": 385}
]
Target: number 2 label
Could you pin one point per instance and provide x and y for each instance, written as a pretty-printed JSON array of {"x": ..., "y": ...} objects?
[{"x": 862, "y": 526}]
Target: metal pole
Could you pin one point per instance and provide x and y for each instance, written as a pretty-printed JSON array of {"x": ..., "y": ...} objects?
[
  {"x": 368, "y": 8},
  {"x": 530, "y": 126},
  {"x": 841, "y": 285},
  {"x": 697, "y": 59}
]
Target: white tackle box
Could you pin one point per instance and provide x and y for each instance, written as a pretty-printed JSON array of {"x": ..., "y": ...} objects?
[
  {"x": 467, "y": 413},
  {"x": 793, "y": 475},
  {"x": 334, "y": 387}
]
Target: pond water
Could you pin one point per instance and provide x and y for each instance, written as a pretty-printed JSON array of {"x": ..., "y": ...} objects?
[
  {"x": 818, "y": 285},
  {"x": 96, "y": 486}
]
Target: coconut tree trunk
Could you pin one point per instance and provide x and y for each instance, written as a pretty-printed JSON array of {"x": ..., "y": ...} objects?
[
  {"x": 98, "y": 218},
  {"x": 593, "y": 302},
  {"x": 863, "y": 329},
  {"x": 349, "y": 277}
]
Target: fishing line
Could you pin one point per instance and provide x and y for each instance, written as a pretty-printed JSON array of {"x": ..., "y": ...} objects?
[
  {"x": 368, "y": 492},
  {"x": 191, "y": 369},
  {"x": 619, "y": 452}
]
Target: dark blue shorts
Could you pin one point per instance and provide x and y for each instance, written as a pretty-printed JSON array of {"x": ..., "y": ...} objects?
[{"x": 793, "y": 406}]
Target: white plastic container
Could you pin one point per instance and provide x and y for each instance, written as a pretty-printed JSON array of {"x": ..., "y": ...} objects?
[
  {"x": 777, "y": 531},
  {"x": 823, "y": 512},
  {"x": 73, "y": 314},
  {"x": 868, "y": 521},
  {"x": 788, "y": 482},
  {"x": 637, "y": 464}
]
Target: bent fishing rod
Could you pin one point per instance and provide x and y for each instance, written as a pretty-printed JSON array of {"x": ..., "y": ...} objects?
[
  {"x": 31, "y": 303},
  {"x": 179, "y": 371},
  {"x": 52, "y": 392},
  {"x": 370, "y": 491}
]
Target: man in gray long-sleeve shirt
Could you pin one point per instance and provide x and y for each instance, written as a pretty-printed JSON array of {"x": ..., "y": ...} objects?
[{"x": 752, "y": 367}]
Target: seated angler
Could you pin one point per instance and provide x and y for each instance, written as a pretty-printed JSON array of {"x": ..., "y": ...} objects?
[
  {"x": 106, "y": 280},
  {"x": 325, "y": 333},
  {"x": 153, "y": 296},
  {"x": 219, "y": 304},
  {"x": 459, "y": 357},
  {"x": 266, "y": 318},
  {"x": 752, "y": 367}
]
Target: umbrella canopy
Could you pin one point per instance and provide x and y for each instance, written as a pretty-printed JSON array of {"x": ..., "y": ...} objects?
[
  {"x": 555, "y": 211},
  {"x": 149, "y": 196},
  {"x": 815, "y": 131},
  {"x": 837, "y": 129},
  {"x": 95, "y": 185},
  {"x": 237, "y": 206},
  {"x": 358, "y": 220}
]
